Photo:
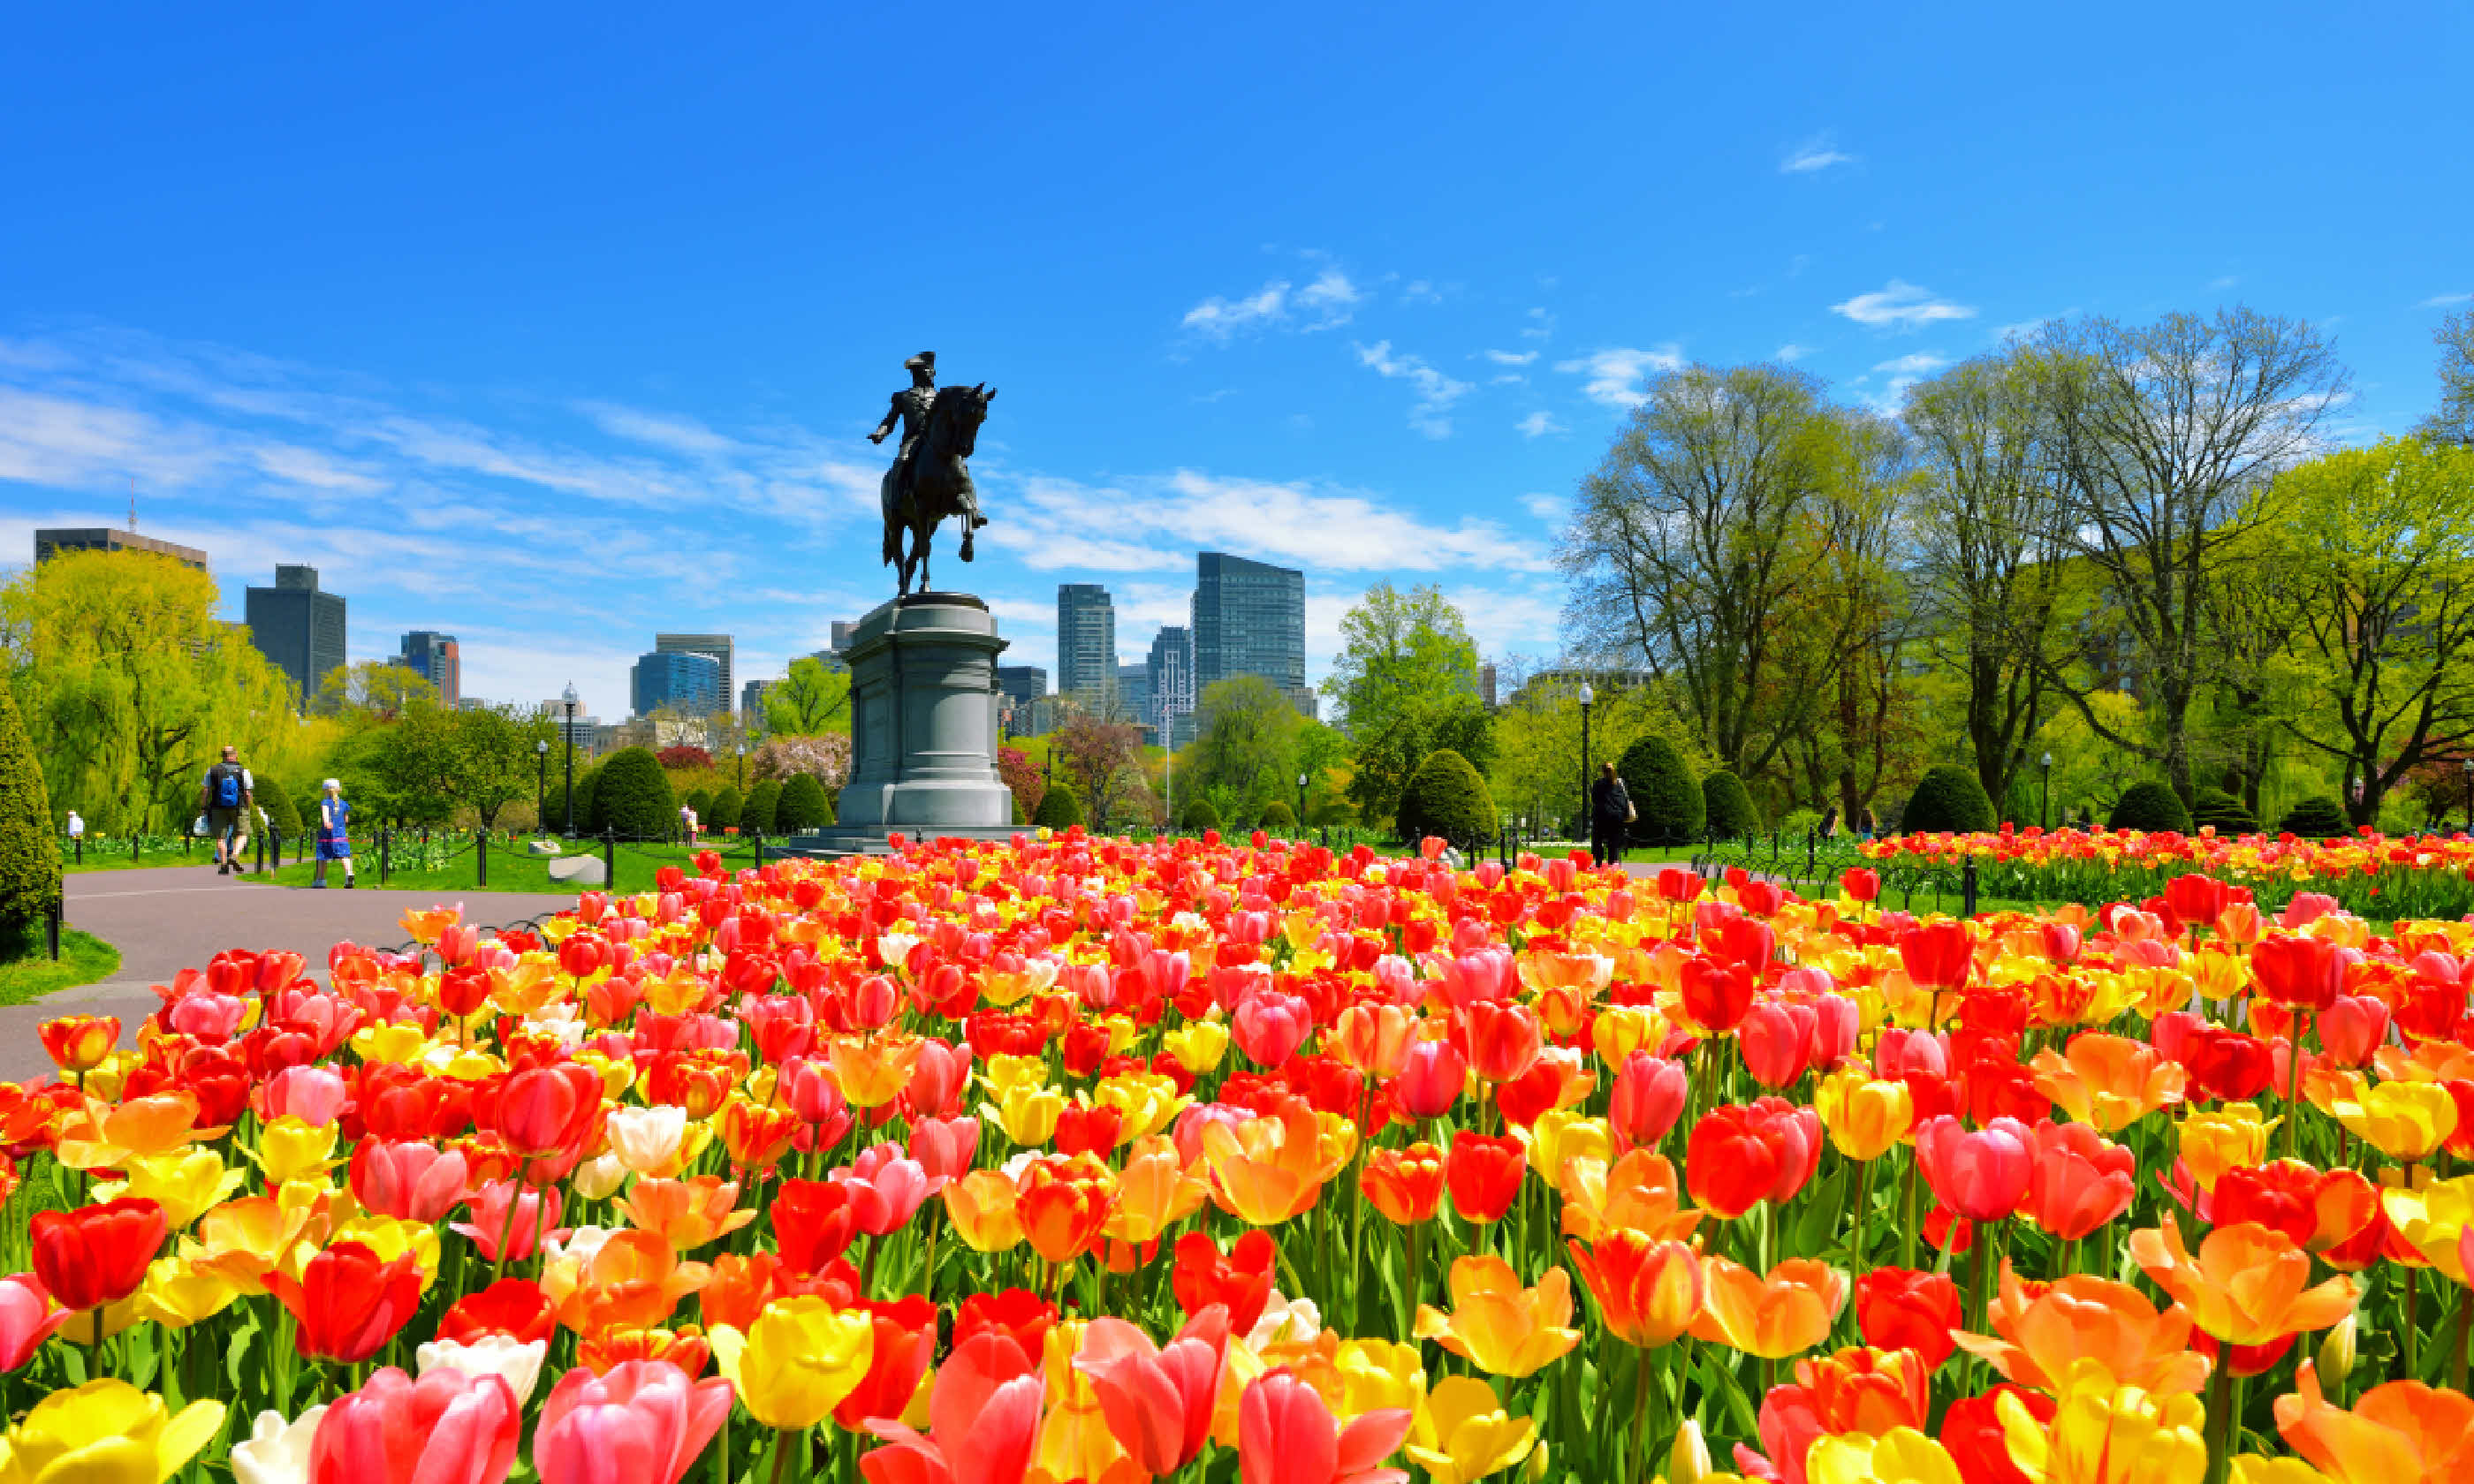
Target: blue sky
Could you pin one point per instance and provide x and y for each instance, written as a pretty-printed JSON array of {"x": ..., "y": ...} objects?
[{"x": 550, "y": 327}]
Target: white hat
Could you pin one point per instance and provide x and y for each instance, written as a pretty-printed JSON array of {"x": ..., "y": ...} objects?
[{"x": 333, "y": 785}]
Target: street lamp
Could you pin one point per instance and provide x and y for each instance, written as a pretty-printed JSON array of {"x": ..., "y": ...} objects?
[
  {"x": 540, "y": 781},
  {"x": 568, "y": 696},
  {"x": 742, "y": 767},
  {"x": 1302, "y": 801},
  {"x": 1587, "y": 695},
  {"x": 2044, "y": 806}
]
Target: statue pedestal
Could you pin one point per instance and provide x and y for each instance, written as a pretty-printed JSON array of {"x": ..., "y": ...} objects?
[{"x": 923, "y": 725}]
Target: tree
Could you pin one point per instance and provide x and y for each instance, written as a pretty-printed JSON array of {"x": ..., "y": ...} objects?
[
  {"x": 1106, "y": 760},
  {"x": 1446, "y": 799},
  {"x": 1059, "y": 809},
  {"x": 1245, "y": 750},
  {"x": 726, "y": 808},
  {"x": 1727, "y": 808},
  {"x": 1948, "y": 798},
  {"x": 1023, "y": 777},
  {"x": 764, "y": 800},
  {"x": 803, "y": 806},
  {"x": 433, "y": 761},
  {"x": 810, "y": 701},
  {"x": 275, "y": 802},
  {"x": 1386, "y": 760},
  {"x": 30, "y": 852},
  {"x": 2382, "y": 541},
  {"x": 684, "y": 758},
  {"x": 1666, "y": 799},
  {"x": 2150, "y": 806},
  {"x": 825, "y": 758},
  {"x": 1401, "y": 651},
  {"x": 373, "y": 692},
  {"x": 2453, "y": 421},
  {"x": 2165, "y": 437},
  {"x": 632, "y": 795}
]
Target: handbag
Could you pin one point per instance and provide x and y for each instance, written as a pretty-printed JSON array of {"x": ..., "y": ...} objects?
[{"x": 1632, "y": 816}]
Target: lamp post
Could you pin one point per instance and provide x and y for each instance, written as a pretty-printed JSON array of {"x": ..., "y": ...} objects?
[
  {"x": 1588, "y": 697},
  {"x": 541, "y": 783},
  {"x": 2045, "y": 804},
  {"x": 568, "y": 696},
  {"x": 742, "y": 767},
  {"x": 1302, "y": 801}
]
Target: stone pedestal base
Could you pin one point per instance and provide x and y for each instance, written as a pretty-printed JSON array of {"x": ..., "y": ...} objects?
[{"x": 923, "y": 721}]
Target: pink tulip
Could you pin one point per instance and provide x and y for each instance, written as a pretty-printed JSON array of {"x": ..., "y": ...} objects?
[
  {"x": 455, "y": 945},
  {"x": 938, "y": 1080},
  {"x": 409, "y": 1180},
  {"x": 1270, "y": 1026},
  {"x": 944, "y": 1148},
  {"x": 1157, "y": 1400},
  {"x": 1982, "y": 1175},
  {"x": 643, "y": 1423},
  {"x": 28, "y": 1318},
  {"x": 884, "y": 1187},
  {"x": 2305, "y": 909},
  {"x": 1649, "y": 1096},
  {"x": 806, "y": 1084},
  {"x": 211, "y": 1017},
  {"x": 534, "y": 1210},
  {"x": 1775, "y": 1040},
  {"x": 445, "y": 1429},
  {"x": 313, "y": 1094},
  {"x": 1901, "y": 1052},
  {"x": 2352, "y": 1028},
  {"x": 1835, "y": 1025},
  {"x": 1287, "y": 1435},
  {"x": 983, "y": 1421},
  {"x": 1431, "y": 1080}
]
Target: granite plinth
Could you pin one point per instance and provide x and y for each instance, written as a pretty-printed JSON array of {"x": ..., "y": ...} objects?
[{"x": 924, "y": 720}]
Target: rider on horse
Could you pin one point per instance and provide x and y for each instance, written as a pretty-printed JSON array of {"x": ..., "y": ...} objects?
[{"x": 910, "y": 409}]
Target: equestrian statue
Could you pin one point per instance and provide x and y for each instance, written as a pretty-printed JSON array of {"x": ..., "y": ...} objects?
[{"x": 929, "y": 480}]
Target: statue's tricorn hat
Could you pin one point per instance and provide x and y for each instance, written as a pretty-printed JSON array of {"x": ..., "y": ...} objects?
[{"x": 925, "y": 360}]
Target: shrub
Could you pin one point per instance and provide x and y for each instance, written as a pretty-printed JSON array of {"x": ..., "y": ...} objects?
[
  {"x": 2151, "y": 806},
  {"x": 282, "y": 815},
  {"x": 1276, "y": 816},
  {"x": 762, "y": 802},
  {"x": 726, "y": 808},
  {"x": 684, "y": 758},
  {"x": 1946, "y": 797},
  {"x": 2317, "y": 819},
  {"x": 30, "y": 853},
  {"x": 1448, "y": 798},
  {"x": 632, "y": 795},
  {"x": 702, "y": 803},
  {"x": 1023, "y": 778},
  {"x": 1198, "y": 814},
  {"x": 1665, "y": 796},
  {"x": 803, "y": 806},
  {"x": 2228, "y": 814},
  {"x": 1727, "y": 807},
  {"x": 1059, "y": 809}
]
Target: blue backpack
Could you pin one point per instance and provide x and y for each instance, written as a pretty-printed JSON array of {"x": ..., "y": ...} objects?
[{"x": 226, "y": 787}]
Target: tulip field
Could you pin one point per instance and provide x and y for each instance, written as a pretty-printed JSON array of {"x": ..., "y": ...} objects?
[{"x": 1076, "y": 1159}]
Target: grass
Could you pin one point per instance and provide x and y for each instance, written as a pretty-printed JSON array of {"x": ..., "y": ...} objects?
[
  {"x": 84, "y": 959},
  {"x": 512, "y": 870},
  {"x": 113, "y": 855}
]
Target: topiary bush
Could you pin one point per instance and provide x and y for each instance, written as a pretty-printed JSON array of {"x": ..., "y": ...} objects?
[
  {"x": 1946, "y": 797},
  {"x": 1727, "y": 807},
  {"x": 1448, "y": 798},
  {"x": 2150, "y": 806},
  {"x": 2229, "y": 815},
  {"x": 1665, "y": 796},
  {"x": 2317, "y": 819},
  {"x": 1059, "y": 809},
  {"x": 726, "y": 808},
  {"x": 30, "y": 853},
  {"x": 701, "y": 801},
  {"x": 554, "y": 801},
  {"x": 1276, "y": 815},
  {"x": 803, "y": 806},
  {"x": 282, "y": 815},
  {"x": 1198, "y": 815},
  {"x": 632, "y": 795},
  {"x": 757, "y": 813}
]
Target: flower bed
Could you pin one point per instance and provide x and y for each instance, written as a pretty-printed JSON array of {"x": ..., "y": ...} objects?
[{"x": 1084, "y": 1160}]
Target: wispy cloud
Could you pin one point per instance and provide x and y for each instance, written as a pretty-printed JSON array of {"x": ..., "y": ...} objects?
[
  {"x": 1436, "y": 392},
  {"x": 1615, "y": 374},
  {"x": 1541, "y": 325},
  {"x": 2223, "y": 282},
  {"x": 1549, "y": 507},
  {"x": 1218, "y": 318},
  {"x": 1920, "y": 362},
  {"x": 1512, "y": 357},
  {"x": 1326, "y": 302},
  {"x": 2445, "y": 301},
  {"x": 1792, "y": 352},
  {"x": 1815, "y": 153},
  {"x": 1901, "y": 306},
  {"x": 1538, "y": 424}
]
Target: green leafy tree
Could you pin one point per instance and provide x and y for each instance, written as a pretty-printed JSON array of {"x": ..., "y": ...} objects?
[
  {"x": 282, "y": 815},
  {"x": 632, "y": 795},
  {"x": 1246, "y": 739},
  {"x": 1105, "y": 761},
  {"x": 435, "y": 760},
  {"x": 810, "y": 701},
  {"x": 803, "y": 806},
  {"x": 727, "y": 807},
  {"x": 2316, "y": 819},
  {"x": 701, "y": 803},
  {"x": 764, "y": 802},
  {"x": 2453, "y": 422},
  {"x": 1729, "y": 808},
  {"x": 1198, "y": 815},
  {"x": 1277, "y": 817},
  {"x": 30, "y": 852},
  {"x": 1401, "y": 651},
  {"x": 2151, "y": 806},
  {"x": 1386, "y": 761},
  {"x": 373, "y": 692}
]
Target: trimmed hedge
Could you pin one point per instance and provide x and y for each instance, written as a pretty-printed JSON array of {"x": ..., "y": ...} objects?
[
  {"x": 1059, "y": 809},
  {"x": 758, "y": 812},
  {"x": 1728, "y": 806},
  {"x": 30, "y": 852},
  {"x": 803, "y": 806},
  {"x": 726, "y": 808},
  {"x": 282, "y": 815},
  {"x": 2317, "y": 819},
  {"x": 701, "y": 801},
  {"x": 1198, "y": 814},
  {"x": 2216, "y": 808},
  {"x": 1946, "y": 797},
  {"x": 1276, "y": 815},
  {"x": 2151, "y": 806},
  {"x": 1665, "y": 797},
  {"x": 554, "y": 802},
  {"x": 632, "y": 795},
  {"x": 1448, "y": 798}
]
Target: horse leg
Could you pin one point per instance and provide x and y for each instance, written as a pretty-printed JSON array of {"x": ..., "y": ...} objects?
[{"x": 921, "y": 534}]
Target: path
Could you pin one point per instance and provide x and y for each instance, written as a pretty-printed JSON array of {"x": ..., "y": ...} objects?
[{"x": 168, "y": 917}]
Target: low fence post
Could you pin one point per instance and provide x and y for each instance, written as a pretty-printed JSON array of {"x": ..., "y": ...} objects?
[
  {"x": 1967, "y": 886},
  {"x": 132, "y": 847},
  {"x": 610, "y": 857},
  {"x": 480, "y": 858},
  {"x": 80, "y": 843},
  {"x": 1812, "y": 856},
  {"x": 760, "y": 849},
  {"x": 386, "y": 840},
  {"x": 52, "y": 931}
]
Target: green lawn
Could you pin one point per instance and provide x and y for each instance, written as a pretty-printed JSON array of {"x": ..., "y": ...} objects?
[
  {"x": 113, "y": 855},
  {"x": 511, "y": 870},
  {"x": 83, "y": 959}
]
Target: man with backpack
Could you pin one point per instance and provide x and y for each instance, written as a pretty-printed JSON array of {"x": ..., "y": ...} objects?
[{"x": 228, "y": 794}]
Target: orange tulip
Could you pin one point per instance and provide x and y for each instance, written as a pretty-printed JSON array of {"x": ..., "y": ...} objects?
[
  {"x": 757, "y": 1136},
  {"x": 1063, "y": 1202},
  {"x": 1496, "y": 1324},
  {"x": 1772, "y": 1317},
  {"x": 633, "y": 1281},
  {"x": 103, "y": 1135},
  {"x": 685, "y": 1213},
  {"x": 2400, "y": 1433},
  {"x": 2247, "y": 1284},
  {"x": 1154, "y": 1191},
  {"x": 78, "y": 1043},
  {"x": 1868, "y": 1391},
  {"x": 984, "y": 1206},
  {"x": 1405, "y": 1185},
  {"x": 2044, "y": 1328},
  {"x": 1637, "y": 1193},
  {"x": 1648, "y": 1291},
  {"x": 872, "y": 1073},
  {"x": 1373, "y": 1039},
  {"x": 2109, "y": 1081},
  {"x": 1270, "y": 1168}
]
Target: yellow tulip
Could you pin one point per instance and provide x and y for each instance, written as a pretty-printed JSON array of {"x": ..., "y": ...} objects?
[
  {"x": 1004, "y": 1071},
  {"x": 246, "y": 1240},
  {"x": 1775, "y": 1316},
  {"x": 2231, "y": 1137},
  {"x": 108, "y": 1136},
  {"x": 1561, "y": 1133},
  {"x": 1505, "y": 1328},
  {"x": 1465, "y": 1433},
  {"x": 391, "y": 1240},
  {"x": 1865, "y": 1118},
  {"x": 2403, "y": 1121},
  {"x": 1902, "y": 1454},
  {"x": 105, "y": 1432},
  {"x": 2260, "y": 1468},
  {"x": 395, "y": 1043},
  {"x": 1379, "y": 1374},
  {"x": 177, "y": 1294},
  {"x": 1146, "y": 1103},
  {"x": 984, "y": 1206},
  {"x": 291, "y": 1148},
  {"x": 186, "y": 1184},
  {"x": 2431, "y": 1218},
  {"x": 2104, "y": 1434},
  {"x": 1026, "y": 1111},
  {"x": 799, "y": 1359},
  {"x": 1621, "y": 1030},
  {"x": 1198, "y": 1046}
]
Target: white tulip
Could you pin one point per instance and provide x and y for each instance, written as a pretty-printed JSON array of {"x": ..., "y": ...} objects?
[
  {"x": 1296, "y": 1320},
  {"x": 599, "y": 1178},
  {"x": 516, "y": 1362},
  {"x": 646, "y": 1140},
  {"x": 583, "y": 1244},
  {"x": 276, "y": 1451}
]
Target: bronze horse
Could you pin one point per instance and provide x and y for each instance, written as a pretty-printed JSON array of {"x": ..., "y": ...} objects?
[{"x": 938, "y": 482}]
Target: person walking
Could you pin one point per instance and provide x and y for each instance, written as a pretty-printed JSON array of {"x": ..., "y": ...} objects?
[
  {"x": 687, "y": 822},
  {"x": 1611, "y": 811},
  {"x": 77, "y": 825},
  {"x": 228, "y": 794},
  {"x": 334, "y": 836}
]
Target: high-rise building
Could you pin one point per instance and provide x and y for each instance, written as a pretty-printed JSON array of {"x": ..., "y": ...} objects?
[
  {"x": 1250, "y": 619},
  {"x": 751, "y": 703},
  {"x": 1134, "y": 696},
  {"x": 437, "y": 659},
  {"x": 298, "y": 628},
  {"x": 1486, "y": 686},
  {"x": 1086, "y": 643},
  {"x": 684, "y": 680},
  {"x": 1169, "y": 679},
  {"x": 52, "y": 543},
  {"x": 1018, "y": 687},
  {"x": 715, "y": 645}
]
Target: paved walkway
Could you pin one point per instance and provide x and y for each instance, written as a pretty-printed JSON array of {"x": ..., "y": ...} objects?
[{"x": 166, "y": 919}]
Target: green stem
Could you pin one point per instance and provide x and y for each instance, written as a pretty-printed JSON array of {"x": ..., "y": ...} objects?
[
  {"x": 1641, "y": 1402},
  {"x": 2220, "y": 1416},
  {"x": 2413, "y": 1331},
  {"x": 507, "y": 1229},
  {"x": 2293, "y": 1085},
  {"x": 1907, "y": 1216}
]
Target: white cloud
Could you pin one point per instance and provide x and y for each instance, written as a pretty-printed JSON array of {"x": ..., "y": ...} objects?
[
  {"x": 1218, "y": 318},
  {"x": 1552, "y": 508},
  {"x": 1512, "y": 357},
  {"x": 1812, "y": 154},
  {"x": 1615, "y": 374},
  {"x": 2444, "y": 300},
  {"x": 1436, "y": 392},
  {"x": 1538, "y": 424},
  {"x": 2021, "y": 330},
  {"x": 1901, "y": 306},
  {"x": 1325, "y": 303},
  {"x": 677, "y": 435},
  {"x": 1331, "y": 296},
  {"x": 1541, "y": 325},
  {"x": 1920, "y": 363},
  {"x": 1792, "y": 352},
  {"x": 2224, "y": 281}
]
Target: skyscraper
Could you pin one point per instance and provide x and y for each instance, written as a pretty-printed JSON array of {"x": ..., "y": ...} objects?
[
  {"x": 49, "y": 543},
  {"x": 438, "y": 660},
  {"x": 715, "y": 645},
  {"x": 295, "y": 627},
  {"x": 1086, "y": 643},
  {"x": 1169, "y": 682},
  {"x": 684, "y": 680},
  {"x": 1250, "y": 619},
  {"x": 1134, "y": 695},
  {"x": 751, "y": 703},
  {"x": 1018, "y": 687}
]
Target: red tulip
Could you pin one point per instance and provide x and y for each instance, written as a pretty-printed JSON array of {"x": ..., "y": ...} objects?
[
  {"x": 1240, "y": 1281},
  {"x": 548, "y": 1110},
  {"x": 2352, "y": 1027},
  {"x": 2226, "y": 1064},
  {"x": 1432, "y": 1078},
  {"x": 1649, "y": 1096},
  {"x": 2300, "y": 973},
  {"x": 1270, "y": 1026},
  {"x": 1739, "y": 1156},
  {"x": 444, "y": 1428},
  {"x": 1897, "y": 1308},
  {"x": 813, "y": 1223},
  {"x": 1156, "y": 1400},
  {"x": 346, "y": 1302},
  {"x": 1938, "y": 955},
  {"x": 2078, "y": 1180},
  {"x": 1484, "y": 1175},
  {"x": 96, "y": 1255},
  {"x": 643, "y": 1422},
  {"x": 983, "y": 1421},
  {"x": 905, "y": 1342},
  {"x": 463, "y": 991},
  {"x": 1973, "y": 1435},
  {"x": 1982, "y": 1175},
  {"x": 1860, "y": 883},
  {"x": 1776, "y": 1040},
  {"x": 1016, "y": 1313},
  {"x": 1087, "y": 1128},
  {"x": 513, "y": 1306},
  {"x": 1715, "y": 994},
  {"x": 1287, "y": 1435},
  {"x": 522, "y": 1218},
  {"x": 1503, "y": 1039},
  {"x": 2195, "y": 899}
]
